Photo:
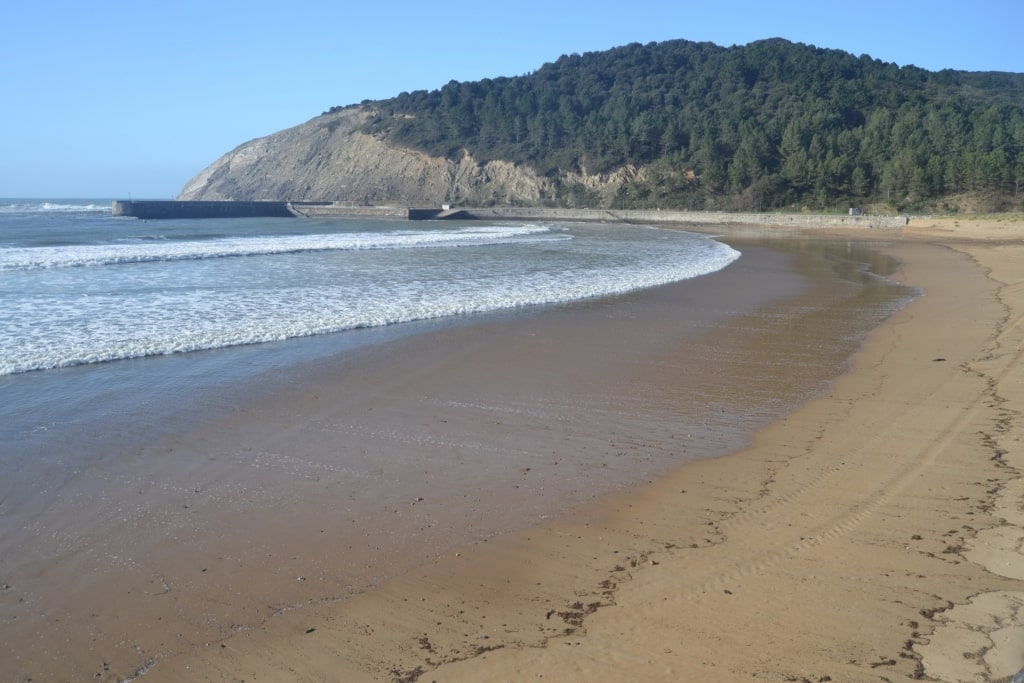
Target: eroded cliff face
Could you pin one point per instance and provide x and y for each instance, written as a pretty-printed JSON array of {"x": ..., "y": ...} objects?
[{"x": 327, "y": 159}]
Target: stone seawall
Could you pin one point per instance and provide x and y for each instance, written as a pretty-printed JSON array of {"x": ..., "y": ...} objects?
[
  {"x": 695, "y": 217},
  {"x": 772, "y": 219},
  {"x": 332, "y": 210},
  {"x": 227, "y": 209},
  {"x": 165, "y": 209},
  {"x": 147, "y": 209}
]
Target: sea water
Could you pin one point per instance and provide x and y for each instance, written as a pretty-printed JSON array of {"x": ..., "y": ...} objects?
[
  {"x": 114, "y": 328},
  {"x": 80, "y": 286}
]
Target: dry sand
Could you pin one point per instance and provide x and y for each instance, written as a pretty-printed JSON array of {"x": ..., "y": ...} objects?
[{"x": 873, "y": 534}]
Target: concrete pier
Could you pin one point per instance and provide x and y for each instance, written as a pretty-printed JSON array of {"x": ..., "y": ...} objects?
[
  {"x": 165, "y": 209},
  {"x": 148, "y": 209}
]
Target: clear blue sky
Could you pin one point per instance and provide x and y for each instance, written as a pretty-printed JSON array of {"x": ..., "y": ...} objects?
[{"x": 111, "y": 99}]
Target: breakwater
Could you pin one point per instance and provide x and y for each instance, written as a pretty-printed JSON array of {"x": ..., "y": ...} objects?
[
  {"x": 339, "y": 210},
  {"x": 165, "y": 209},
  {"x": 148, "y": 209},
  {"x": 152, "y": 209}
]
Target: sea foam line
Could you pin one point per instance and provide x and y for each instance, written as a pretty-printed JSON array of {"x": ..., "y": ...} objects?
[
  {"x": 198, "y": 321},
  {"x": 53, "y": 207},
  {"x": 39, "y": 258}
]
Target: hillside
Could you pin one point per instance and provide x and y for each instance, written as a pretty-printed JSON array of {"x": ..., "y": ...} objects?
[
  {"x": 330, "y": 159},
  {"x": 677, "y": 124}
]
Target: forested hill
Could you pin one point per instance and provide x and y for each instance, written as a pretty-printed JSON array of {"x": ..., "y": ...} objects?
[{"x": 766, "y": 125}]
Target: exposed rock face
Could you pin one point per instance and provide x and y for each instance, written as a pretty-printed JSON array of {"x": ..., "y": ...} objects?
[{"x": 327, "y": 159}]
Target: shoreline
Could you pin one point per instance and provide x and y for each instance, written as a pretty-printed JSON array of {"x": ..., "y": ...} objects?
[
  {"x": 735, "y": 566},
  {"x": 867, "y": 583}
]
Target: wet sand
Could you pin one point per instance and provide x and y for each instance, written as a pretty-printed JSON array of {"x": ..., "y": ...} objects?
[{"x": 488, "y": 503}]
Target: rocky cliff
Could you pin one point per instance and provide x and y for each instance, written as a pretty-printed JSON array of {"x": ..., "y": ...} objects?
[{"x": 329, "y": 159}]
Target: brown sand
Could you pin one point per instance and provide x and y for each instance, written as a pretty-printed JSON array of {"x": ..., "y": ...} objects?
[{"x": 873, "y": 534}]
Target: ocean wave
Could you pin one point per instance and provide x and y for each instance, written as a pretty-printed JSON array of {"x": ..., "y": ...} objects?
[
  {"x": 52, "y": 207},
  {"x": 37, "y": 258},
  {"x": 98, "y": 329}
]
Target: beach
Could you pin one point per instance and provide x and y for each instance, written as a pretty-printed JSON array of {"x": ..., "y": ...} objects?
[{"x": 540, "y": 512}]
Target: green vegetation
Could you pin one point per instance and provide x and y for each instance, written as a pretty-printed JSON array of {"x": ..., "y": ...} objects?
[{"x": 769, "y": 125}]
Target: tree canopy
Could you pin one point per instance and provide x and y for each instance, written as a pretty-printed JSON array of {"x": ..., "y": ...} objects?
[{"x": 766, "y": 125}]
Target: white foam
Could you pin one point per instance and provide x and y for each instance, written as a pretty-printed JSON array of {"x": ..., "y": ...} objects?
[
  {"x": 34, "y": 258},
  {"x": 53, "y": 207},
  {"x": 91, "y": 329},
  {"x": 70, "y": 316}
]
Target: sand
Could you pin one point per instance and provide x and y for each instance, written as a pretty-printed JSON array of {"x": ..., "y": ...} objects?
[{"x": 870, "y": 534}]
